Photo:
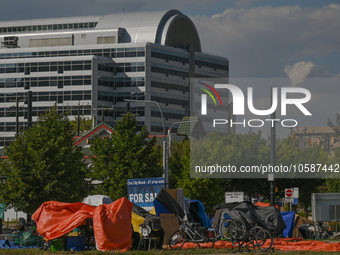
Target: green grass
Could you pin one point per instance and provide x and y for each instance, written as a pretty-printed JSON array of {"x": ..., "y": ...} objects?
[{"x": 162, "y": 252}]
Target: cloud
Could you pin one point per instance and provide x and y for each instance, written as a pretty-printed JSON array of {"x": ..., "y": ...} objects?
[
  {"x": 262, "y": 41},
  {"x": 298, "y": 72}
]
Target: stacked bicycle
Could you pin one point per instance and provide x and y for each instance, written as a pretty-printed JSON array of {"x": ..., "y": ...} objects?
[
  {"x": 237, "y": 232},
  {"x": 192, "y": 232}
]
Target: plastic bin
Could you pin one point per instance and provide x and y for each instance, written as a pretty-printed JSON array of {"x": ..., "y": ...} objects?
[
  {"x": 58, "y": 244},
  {"x": 17, "y": 240},
  {"x": 76, "y": 243}
]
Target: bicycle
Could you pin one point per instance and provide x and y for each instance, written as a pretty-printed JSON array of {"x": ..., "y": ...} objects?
[
  {"x": 255, "y": 237},
  {"x": 192, "y": 232}
]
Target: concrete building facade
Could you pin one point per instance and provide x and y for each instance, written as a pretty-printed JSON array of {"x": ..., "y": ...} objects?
[{"x": 95, "y": 63}]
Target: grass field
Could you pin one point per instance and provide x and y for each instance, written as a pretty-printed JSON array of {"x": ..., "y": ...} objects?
[{"x": 187, "y": 251}]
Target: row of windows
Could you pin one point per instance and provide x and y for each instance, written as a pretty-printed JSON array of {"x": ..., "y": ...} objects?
[
  {"x": 5, "y": 30},
  {"x": 215, "y": 66},
  {"x": 168, "y": 86},
  {"x": 168, "y": 72},
  {"x": 52, "y": 96},
  {"x": 168, "y": 101},
  {"x": 59, "y": 67},
  {"x": 110, "y": 53},
  {"x": 54, "y": 81},
  {"x": 105, "y": 96},
  {"x": 121, "y": 96},
  {"x": 168, "y": 57},
  {"x": 168, "y": 115},
  {"x": 130, "y": 67},
  {"x": 4, "y": 141},
  {"x": 106, "y": 81},
  {"x": 130, "y": 82},
  {"x": 185, "y": 60},
  {"x": 11, "y": 112},
  {"x": 106, "y": 67}
]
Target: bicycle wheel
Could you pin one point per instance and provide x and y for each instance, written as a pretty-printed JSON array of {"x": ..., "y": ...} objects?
[
  {"x": 177, "y": 239},
  {"x": 237, "y": 230},
  {"x": 252, "y": 236},
  {"x": 224, "y": 230},
  {"x": 206, "y": 238},
  {"x": 262, "y": 237},
  {"x": 311, "y": 231}
]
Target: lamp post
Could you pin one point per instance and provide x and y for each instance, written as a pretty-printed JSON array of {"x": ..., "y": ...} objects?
[
  {"x": 166, "y": 173},
  {"x": 169, "y": 144}
]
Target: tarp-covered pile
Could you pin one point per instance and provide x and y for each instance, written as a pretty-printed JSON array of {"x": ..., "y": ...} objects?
[
  {"x": 111, "y": 222},
  {"x": 267, "y": 217}
]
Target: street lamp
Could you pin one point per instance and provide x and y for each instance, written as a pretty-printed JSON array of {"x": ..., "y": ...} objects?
[
  {"x": 169, "y": 144},
  {"x": 166, "y": 172}
]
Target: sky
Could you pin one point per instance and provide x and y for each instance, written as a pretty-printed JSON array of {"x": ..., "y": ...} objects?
[{"x": 261, "y": 38}]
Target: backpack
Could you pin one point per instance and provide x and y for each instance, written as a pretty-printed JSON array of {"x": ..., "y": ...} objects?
[{"x": 153, "y": 221}]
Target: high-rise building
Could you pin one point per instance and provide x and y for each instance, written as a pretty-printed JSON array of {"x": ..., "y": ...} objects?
[{"x": 95, "y": 63}]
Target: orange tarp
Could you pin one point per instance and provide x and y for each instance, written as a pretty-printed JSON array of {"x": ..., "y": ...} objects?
[
  {"x": 283, "y": 245},
  {"x": 111, "y": 222},
  {"x": 261, "y": 204}
]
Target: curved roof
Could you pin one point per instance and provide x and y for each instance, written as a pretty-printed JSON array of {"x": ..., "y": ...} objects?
[{"x": 161, "y": 27}]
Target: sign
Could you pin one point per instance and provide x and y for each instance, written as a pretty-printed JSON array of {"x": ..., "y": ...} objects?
[
  {"x": 143, "y": 192},
  {"x": 292, "y": 192},
  {"x": 2, "y": 211},
  {"x": 231, "y": 197},
  {"x": 295, "y": 192},
  {"x": 289, "y": 192},
  {"x": 289, "y": 200},
  {"x": 295, "y": 201}
]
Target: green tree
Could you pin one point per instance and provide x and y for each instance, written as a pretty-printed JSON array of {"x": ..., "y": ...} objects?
[
  {"x": 85, "y": 124},
  {"x": 44, "y": 165},
  {"x": 333, "y": 184},
  {"x": 287, "y": 154},
  {"x": 125, "y": 155},
  {"x": 235, "y": 149}
]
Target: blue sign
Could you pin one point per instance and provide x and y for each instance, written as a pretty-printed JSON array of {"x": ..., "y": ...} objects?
[
  {"x": 143, "y": 192},
  {"x": 295, "y": 201}
]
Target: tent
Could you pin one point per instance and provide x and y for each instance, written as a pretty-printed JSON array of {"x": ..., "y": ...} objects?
[
  {"x": 197, "y": 212},
  {"x": 267, "y": 217},
  {"x": 111, "y": 222}
]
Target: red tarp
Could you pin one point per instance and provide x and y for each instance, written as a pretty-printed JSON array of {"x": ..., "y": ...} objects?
[
  {"x": 111, "y": 222},
  {"x": 283, "y": 244}
]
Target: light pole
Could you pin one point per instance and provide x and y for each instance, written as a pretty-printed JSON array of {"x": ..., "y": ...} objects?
[
  {"x": 169, "y": 144},
  {"x": 166, "y": 172}
]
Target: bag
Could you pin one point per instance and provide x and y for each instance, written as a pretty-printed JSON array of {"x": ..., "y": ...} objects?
[{"x": 153, "y": 221}]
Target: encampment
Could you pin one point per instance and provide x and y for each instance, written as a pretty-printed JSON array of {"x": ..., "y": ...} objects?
[{"x": 111, "y": 222}]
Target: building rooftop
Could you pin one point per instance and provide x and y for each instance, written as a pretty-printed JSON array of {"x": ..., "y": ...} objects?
[{"x": 170, "y": 28}]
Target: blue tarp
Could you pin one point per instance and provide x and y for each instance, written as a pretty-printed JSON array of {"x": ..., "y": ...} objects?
[
  {"x": 5, "y": 244},
  {"x": 197, "y": 210},
  {"x": 288, "y": 218}
]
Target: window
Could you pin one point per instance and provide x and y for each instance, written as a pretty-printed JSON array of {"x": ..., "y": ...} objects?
[{"x": 106, "y": 39}]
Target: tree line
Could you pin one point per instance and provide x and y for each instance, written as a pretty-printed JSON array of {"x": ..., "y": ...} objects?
[{"x": 43, "y": 164}]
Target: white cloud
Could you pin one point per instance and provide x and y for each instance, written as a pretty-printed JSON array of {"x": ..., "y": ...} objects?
[
  {"x": 262, "y": 41},
  {"x": 298, "y": 72}
]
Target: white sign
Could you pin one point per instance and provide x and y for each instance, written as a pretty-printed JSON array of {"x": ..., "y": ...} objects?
[
  {"x": 231, "y": 197},
  {"x": 292, "y": 193}
]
